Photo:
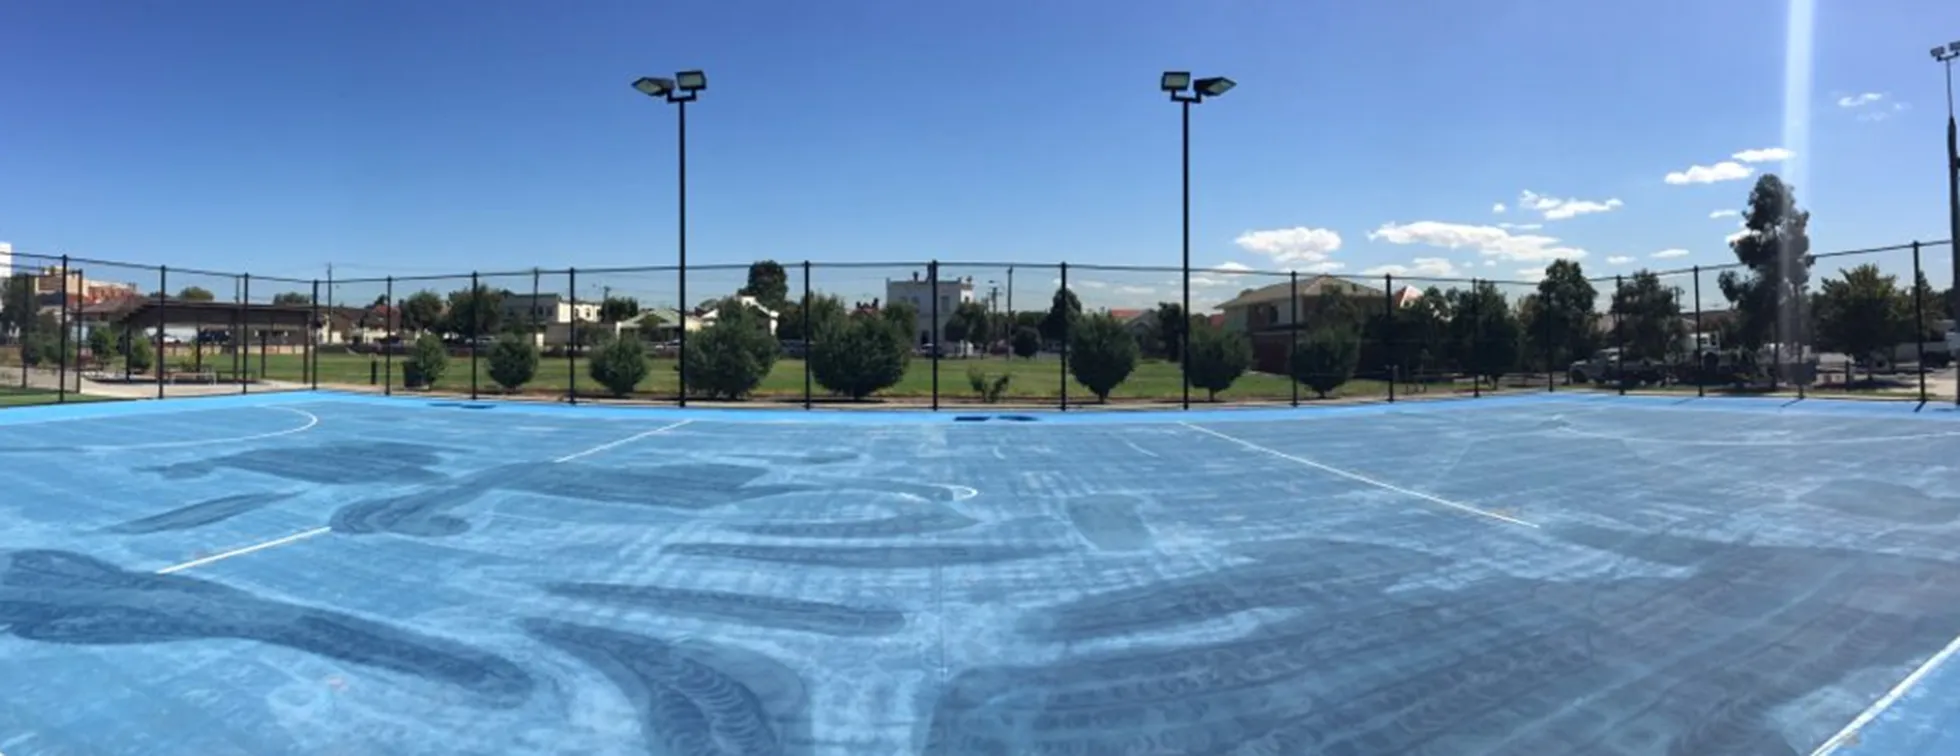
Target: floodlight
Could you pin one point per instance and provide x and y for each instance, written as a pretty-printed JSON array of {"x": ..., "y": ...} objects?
[
  {"x": 653, "y": 87},
  {"x": 1176, "y": 81},
  {"x": 1939, "y": 53},
  {"x": 691, "y": 81},
  {"x": 1953, "y": 47},
  {"x": 1215, "y": 86}
]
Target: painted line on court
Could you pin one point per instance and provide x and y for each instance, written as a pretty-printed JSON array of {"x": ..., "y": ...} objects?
[
  {"x": 300, "y": 536},
  {"x": 1359, "y": 478},
  {"x": 1850, "y": 732},
  {"x": 621, "y": 442},
  {"x": 311, "y": 420},
  {"x": 1826, "y": 441}
]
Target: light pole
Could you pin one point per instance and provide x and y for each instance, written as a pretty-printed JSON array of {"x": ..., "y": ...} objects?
[
  {"x": 1186, "y": 93},
  {"x": 680, "y": 90},
  {"x": 1945, "y": 56}
]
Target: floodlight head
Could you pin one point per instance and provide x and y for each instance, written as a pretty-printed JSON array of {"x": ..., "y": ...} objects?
[
  {"x": 1939, "y": 53},
  {"x": 1953, "y": 47},
  {"x": 653, "y": 87},
  {"x": 1215, "y": 86},
  {"x": 691, "y": 81},
  {"x": 1175, "y": 81}
]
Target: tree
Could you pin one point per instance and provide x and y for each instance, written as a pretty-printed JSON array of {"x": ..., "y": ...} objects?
[
  {"x": 620, "y": 365},
  {"x": 1922, "y": 310},
  {"x": 1483, "y": 331},
  {"x": 1422, "y": 332},
  {"x": 618, "y": 309},
  {"x": 1064, "y": 310},
  {"x": 1647, "y": 318},
  {"x": 140, "y": 357},
  {"x": 422, "y": 311},
  {"x": 1169, "y": 333},
  {"x": 1326, "y": 359},
  {"x": 1101, "y": 353},
  {"x": 1863, "y": 312},
  {"x": 824, "y": 309},
  {"x": 102, "y": 342},
  {"x": 730, "y": 359},
  {"x": 475, "y": 312},
  {"x": 17, "y": 305},
  {"x": 1027, "y": 342},
  {"x": 513, "y": 361},
  {"x": 1775, "y": 252},
  {"x": 196, "y": 294},
  {"x": 40, "y": 343},
  {"x": 1027, "y": 319},
  {"x": 904, "y": 317},
  {"x": 292, "y": 299},
  {"x": 1332, "y": 307},
  {"x": 972, "y": 324},
  {"x": 768, "y": 283},
  {"x": 860, "y": 355},
  {"x": 1217, "y": 359},
  {"x": 1561, "y": 323},
  {"x": 425, "y": 362}
]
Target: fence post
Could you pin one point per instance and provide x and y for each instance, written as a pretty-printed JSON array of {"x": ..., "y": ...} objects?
[
  {"x": 808, "y": 343},
  {"x": 476, "y": 323},
  {"x": 932, "y": 274},
  {"x": 163, "y": 316},
  {"x": 1476, "y": 335},
  {"x": 1293, "y": 301},
  {"x": 236, "y": 336},
  {"x": 391, "y": 323},
  {"x": 1619, "y": 339},
  {"x": 1063, "y": 362},
  {"x": 312, "y": 357},
  {"x": 1701, "y": 381},
  {"x": 1388, "y": 331},
  {"x": 1918, "y": 322},
  {"x": 61, "y": 364},
  {"x": 1551, "y": 347},
  {"x": 572, "y": 342}
]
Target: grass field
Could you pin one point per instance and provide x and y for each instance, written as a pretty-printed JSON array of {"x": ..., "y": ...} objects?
[
  {"x": 16, "y": 397},
  {"x": 1035, "y": 379}
]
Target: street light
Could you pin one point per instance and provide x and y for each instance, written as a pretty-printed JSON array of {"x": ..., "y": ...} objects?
[
  {"x": 680, "y": 90},
  {"x": 1179, "y": 86}
]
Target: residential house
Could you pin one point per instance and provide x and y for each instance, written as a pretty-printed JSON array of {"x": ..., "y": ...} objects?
[
  {"x": 554, "y": 312},
  {"x": 707, "y": 316},
  {"x": 920, "y": 294},
  {"x": 1266, "y": 314}
]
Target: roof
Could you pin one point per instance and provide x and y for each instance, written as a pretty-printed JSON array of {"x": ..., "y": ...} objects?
[
  {"x": 1407, "y": 296},
  {"x": 1127, "y": 314},
  {"x": 1314, "y": 287}
]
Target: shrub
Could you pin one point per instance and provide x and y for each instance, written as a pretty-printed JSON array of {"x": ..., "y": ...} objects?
[
  {"x": 860, "y": 356},
  {"x": 513, "y": 361},
  {"x": 141, "y": 357},
  {"x": 425, "y": 362},
  {"x": 1027, "y": 342},
  {"x": 990, "y": 389},
  {"x": 1326, "y": 360},
  {"x": 1217, "y": 360},
  {"x": 102, "y": 342},
  {"x": 619, "y": 365},
  {"x": 1101, "y": 353},
  {"x": 729, "y": 360}
]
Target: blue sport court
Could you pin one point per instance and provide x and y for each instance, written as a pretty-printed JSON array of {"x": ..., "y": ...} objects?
[{"x": 1558, "y": 574}]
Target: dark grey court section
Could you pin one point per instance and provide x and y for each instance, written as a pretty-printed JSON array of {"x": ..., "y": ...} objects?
[
  {"x": 1110, "y": 521},
  {"x": 201, "y": 513},
  {"x": 865, "y": 557},
  {"x": 742, "y": 608},
  {"x": 350, "y": 462}
]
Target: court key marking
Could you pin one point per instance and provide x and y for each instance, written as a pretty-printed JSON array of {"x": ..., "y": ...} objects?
[
  {"x": 311, "y": 420},
  {"x": 621, "y": 442},
  {"x": 1359, "y": 478}
]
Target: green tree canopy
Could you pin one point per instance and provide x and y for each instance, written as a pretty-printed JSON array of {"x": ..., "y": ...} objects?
[
  {"x": 513, "y": 361},
  {"x": 292, "y": 299},
  {"x": 731, "y": 358},
  {"x": 860, "y": 355},
  {"x": 768, "y": 283},
  {"x": 824, "y": 310},
  {"x": 1026, "y": 342},
  {"x": 196, "y": 294},
  {"x": 972, "y": 324},
  {"x": 903, "y": 316},
  {"x": 1102, "y": 353},
  {"x": 474, "y": 312},
  {"x": 1326, "y": 360},
  {"x": 1647, "y": 318},
  {"x": 422, "y": 311},
  {"x": 620, "y": 365},
  {"x": 425, "y": 362},
  {"x": 1561, "y": 324},
  {"x": 1064, "y": 309},
  {"x": 1863, "y": 312},
  {"x": 17, "y": 305},
  {"x": 1217, "y": 359},
  {"x": 1168, "y": 330},
  {"x": 1483, "y": 331},
  {"x": 618, "y": 309},
  {"x": 1775, "y": 252}
]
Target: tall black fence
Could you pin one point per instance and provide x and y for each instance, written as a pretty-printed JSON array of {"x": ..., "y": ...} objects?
[{"x": 1870, "y": 323}]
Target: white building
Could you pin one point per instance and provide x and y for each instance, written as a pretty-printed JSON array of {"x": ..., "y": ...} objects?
[
  {"x": 918, "y": 293},
  {"x": 6, "y": 260},
  {"x": 709, "y": 317},
  {"x": 554, "y": 312}
]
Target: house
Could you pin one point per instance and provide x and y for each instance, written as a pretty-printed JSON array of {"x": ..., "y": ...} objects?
[
  {"x": 707, "y": 316},
  {"x": 1266, "y": 314},
  {"x": 554, "y": 312},
  {"x": 920, "y": 294}
]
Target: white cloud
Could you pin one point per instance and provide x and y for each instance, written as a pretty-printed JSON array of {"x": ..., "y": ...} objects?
[
  {"x": 1764, "y": 155},
  {"x": 1490, "y": 263},
  {"x": 1296, "y": 244},
  {"x": 1521, "y": 226},
  {"x": 1087, "y": 283},
  {"x": 1725, "y": 214},
  {"x": 1497, "y": 208},
  {"x": 1530, "y": 274},
  {"x": 1555, "y": 208},
  {"x": 1709, "y": 174},
  {"x": 1428, "y": 267},
  {"x": 1232, "y": 266},
  {"x": 1134, "y": 290},
  {"x": 1860, "y": 100},
  {"x": 1667, "y": 253},
  {"x": 1489, "y": 241},
  {"x": 1618, "y": 260},
  {"x": 1324, "y": 266},
  {"x": 1737, "y": 235}
]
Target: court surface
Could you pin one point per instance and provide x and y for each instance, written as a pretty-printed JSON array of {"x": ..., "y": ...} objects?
[{"x": 332, "y": 574}]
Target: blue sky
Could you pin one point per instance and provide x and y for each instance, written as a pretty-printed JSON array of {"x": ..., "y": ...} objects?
[{"x": 441, "y": 135}]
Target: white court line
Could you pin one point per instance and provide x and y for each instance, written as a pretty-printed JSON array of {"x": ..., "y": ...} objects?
[
  {"x": 1357, "y": 477},
  {"x": 1140, "y": 450},
  {"x": 1864, "y": 718},
  {"x": 300, "y": 536},
  {"x": 311, "y": 420},
  {"x": 1825, "y": 441},
  {"x": 626, "y": 440}
]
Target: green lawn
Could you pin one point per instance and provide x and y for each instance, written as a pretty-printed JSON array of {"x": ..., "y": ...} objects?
[
  {"x": 15, "y": 397},
  {"x": 1035, "y": 379}
]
